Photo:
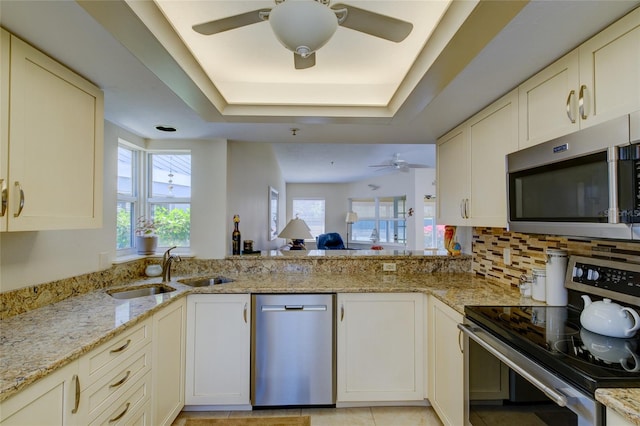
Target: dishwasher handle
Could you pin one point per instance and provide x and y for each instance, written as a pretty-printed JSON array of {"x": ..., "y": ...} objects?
[{"x": 284, "y": 308}]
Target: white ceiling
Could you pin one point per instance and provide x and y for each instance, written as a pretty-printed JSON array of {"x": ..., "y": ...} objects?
[{"x": 145, "y": 87}]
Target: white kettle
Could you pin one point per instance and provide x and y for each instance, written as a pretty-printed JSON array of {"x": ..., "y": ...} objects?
[{"x": 608, "y": 318}]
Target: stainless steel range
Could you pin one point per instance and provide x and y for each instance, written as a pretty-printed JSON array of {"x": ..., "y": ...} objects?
[{"x": 549, "y": 348}]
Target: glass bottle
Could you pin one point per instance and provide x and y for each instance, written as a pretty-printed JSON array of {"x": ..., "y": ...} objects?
[{"x": 235, "y": 236}]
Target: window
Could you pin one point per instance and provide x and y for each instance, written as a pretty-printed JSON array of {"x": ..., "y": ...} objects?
[
  {"x": 433, "y": 234},
  {"x": 165, "y": 179},
  {"x": 169, "y": 197},
  {"x": 312, "y": 212},
  {"x": 384, "y": 215}
]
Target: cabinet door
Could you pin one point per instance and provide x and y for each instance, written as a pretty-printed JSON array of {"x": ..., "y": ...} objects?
[
  {"x": 55, "y": 145},
  {"x": 218, "y": 343},
  {"x": 50, "y": 401},
  {"x": 610, "y": 71},
  {"x": 446, "y": 364},
  {"x": 380, "y": 347},
  {"x": 548, "y": 104},
  {"x": 4, "y": 126},
  {"x": 493, "y": 134},
  {"x": 169, "y": 338},
  {"x": 452, "y": 179}
]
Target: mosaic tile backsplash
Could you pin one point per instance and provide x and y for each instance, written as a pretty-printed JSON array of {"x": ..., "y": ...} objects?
[{"x": 528, "y": 252}]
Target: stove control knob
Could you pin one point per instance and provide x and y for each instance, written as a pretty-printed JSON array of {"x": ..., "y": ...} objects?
[
  {"x": 578, "y": 272},
  {"x": 593, "y": 275}
]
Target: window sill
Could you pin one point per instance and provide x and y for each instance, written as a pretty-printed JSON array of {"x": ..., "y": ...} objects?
[{"x": 132, "y": 257}]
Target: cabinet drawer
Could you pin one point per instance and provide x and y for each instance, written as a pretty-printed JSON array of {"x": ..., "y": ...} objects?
[
  {"x": 110, "y": 386},
  {"x": 109, "y": 356},
  {"x": 127, "y": 408}
]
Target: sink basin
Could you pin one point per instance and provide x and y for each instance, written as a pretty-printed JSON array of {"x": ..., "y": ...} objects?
[
  {"x": 203, "y": 282},
  {"x": 140, "y": 291}
]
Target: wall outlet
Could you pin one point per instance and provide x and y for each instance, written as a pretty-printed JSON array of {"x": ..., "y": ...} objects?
[
  {"x": 390, "y": 267},
  {"x": 506, "y": 256}
]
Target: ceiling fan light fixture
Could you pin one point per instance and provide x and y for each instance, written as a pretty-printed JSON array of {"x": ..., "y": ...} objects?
[{"x": 303, "y": 26}]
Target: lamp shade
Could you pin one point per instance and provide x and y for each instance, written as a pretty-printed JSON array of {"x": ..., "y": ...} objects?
[
  {"x": 296, "y": 229},
  {"x": 303, "y": 26},
  {"x": 351, "y": 217}
]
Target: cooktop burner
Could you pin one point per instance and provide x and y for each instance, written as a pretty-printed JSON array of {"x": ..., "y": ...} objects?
[{"x": 553, "y": 336}]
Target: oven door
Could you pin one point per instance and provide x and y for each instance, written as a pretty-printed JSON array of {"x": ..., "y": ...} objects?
[{"x": 553, "y": 401}]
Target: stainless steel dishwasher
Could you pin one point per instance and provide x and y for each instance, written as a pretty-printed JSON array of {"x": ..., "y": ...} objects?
[{"x": 293, "y": 350}]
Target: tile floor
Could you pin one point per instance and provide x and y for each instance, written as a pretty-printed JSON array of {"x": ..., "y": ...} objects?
[{"x": 368, "y": 416}]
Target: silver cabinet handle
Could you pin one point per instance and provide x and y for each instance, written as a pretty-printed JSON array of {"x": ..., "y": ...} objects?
[
  {"x": 119, "y": 416},
  {"x": 244, "y": 312},
  {"x": 572, "y": 95},
  {"x": 557, "y": 397},
  {"x": 341, "y": 313},
  {"x": 3, "y": 209},
  {"x": 76, "y": 381},
  {"x": 21, "y": 200},
  {"x": 462, "y": 208},
  {"x": 121, "y": 348},
  {"x": 581, "y": 102},
  {"x": 121, "y": 381},
  {"x": 460, "y": 341}
]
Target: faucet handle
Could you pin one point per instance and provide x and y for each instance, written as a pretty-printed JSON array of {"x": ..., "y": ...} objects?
[{"x": 167, "y": 253}]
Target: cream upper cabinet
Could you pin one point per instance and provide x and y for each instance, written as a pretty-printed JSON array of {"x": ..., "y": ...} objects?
[
  {"x": 597, "y": 81},
  {"x": 471, "y": 171},
  {"x": 452, "y": 176},
  {"x": 380, "y": 347},
  {"x": 169, "y": 338},
  {"x": 4, "y": 126},
  {"x": 446, "y": 364},
  {"x": 549, "y": 102},
  {"x": 50, "y": 401},
  {"x": 54, "y": 146},
  {"x": 218, "y": 349},
  {"x": 610, "y": 71}
]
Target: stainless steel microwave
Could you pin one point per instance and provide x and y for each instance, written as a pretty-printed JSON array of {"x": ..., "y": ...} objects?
[{"x": 585, "y": 184}]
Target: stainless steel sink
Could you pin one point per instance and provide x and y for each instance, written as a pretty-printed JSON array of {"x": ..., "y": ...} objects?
[
  {"x": 140, "y": 291},
  {"x": 203, "y": 282}
]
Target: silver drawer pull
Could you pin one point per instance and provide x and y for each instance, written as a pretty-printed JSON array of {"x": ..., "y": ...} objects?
[
  {"x": 121, "y": 381},
  {"x": 76, "y": 381},
  {"x": 119, "y": 416},
  {"x": 121, "y": 348},
  {"x": 20, "y": 200}
]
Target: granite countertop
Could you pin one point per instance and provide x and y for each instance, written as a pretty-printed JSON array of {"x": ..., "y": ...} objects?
[
  {"x": 624, "y": 401},
  {"x": 40, "y": 341}
]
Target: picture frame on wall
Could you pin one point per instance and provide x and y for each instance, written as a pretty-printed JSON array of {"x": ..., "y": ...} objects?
[{"x": 273, "y": 227}]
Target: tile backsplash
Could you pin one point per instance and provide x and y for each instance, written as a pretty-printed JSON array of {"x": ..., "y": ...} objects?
[{"x": 528, "y": 252}]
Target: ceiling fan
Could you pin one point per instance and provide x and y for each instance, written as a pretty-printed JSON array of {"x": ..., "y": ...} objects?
[
  {"x": 398, "y": 164},
  {"x": 304, "y": 26}
]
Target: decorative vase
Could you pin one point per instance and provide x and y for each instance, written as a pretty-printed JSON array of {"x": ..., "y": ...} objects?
[{"x": 147, "y": 245}]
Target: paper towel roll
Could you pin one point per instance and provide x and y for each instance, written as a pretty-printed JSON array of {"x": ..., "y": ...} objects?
[{"x": 555, "y": 291}]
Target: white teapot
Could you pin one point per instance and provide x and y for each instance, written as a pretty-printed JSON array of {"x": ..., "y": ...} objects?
[
  {"x": 608, "y": 318},
  {"x": 612, "y": 350}
]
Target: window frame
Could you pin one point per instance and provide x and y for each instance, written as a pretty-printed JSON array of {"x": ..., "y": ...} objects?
[
  {"x": 324, "y": 217},
  {"x": 397, "y": 220},
  {"x": 142, "y": 201}
]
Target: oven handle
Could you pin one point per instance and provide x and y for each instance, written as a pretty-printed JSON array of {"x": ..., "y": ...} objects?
[{"x": 557, "y": 397}]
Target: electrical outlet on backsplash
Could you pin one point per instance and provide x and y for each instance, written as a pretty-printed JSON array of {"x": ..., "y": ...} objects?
[{"x": 528, "y": 252}]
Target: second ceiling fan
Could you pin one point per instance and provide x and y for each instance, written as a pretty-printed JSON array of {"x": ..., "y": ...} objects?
[{"x": 304, "y": 26}]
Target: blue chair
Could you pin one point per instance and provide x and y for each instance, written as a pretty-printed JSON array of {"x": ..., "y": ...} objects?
[{"x": 330, "y": 241}]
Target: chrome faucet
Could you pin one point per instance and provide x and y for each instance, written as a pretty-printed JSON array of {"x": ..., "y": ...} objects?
[{"x": 167, "y": 260}]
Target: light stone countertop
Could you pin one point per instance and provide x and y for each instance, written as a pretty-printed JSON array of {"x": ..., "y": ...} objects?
[
  {"x": 625, "y": 402},
  {"x": 36, "y": 343}
]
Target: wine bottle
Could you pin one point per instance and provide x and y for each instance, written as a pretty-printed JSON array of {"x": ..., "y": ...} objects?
[{"x": 235, "y": 236}]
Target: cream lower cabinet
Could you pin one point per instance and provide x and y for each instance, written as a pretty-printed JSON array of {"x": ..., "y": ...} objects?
[
  {"x": 598, "y": 81},
  {"x": 49, "y": 401},
  {"x": 51, "y": 142},
  {"x": 446, "y": 363},
  {"x": 380, "y": 347},
  {"x": 169, "y": 338},
  {"x": 615, "y": 419},
  {"x": 471, "y": 176},
  {"x": 218, "y": 349}
]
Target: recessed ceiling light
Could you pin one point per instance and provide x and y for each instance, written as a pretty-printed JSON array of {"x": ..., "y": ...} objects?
[{"x": 163, "y": 128}]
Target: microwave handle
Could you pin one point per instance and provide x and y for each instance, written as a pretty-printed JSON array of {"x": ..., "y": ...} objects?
[{"x": 556, "y": 396}]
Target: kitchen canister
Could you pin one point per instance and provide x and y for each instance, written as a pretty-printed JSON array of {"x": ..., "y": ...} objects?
[
  {"x": 555, "y": 291},
  {"x": 539, "y": 284}
]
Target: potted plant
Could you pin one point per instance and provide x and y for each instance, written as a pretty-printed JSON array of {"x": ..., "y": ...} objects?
[{"x": 146, "y": 238}]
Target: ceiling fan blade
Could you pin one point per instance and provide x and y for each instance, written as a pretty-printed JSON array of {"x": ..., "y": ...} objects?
[
  {"x": 375, "y": 24},
  {"x": 303, "y": 63},
  {"x": 416, "y": 166},
  {"x": 230, "y": 23}
]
